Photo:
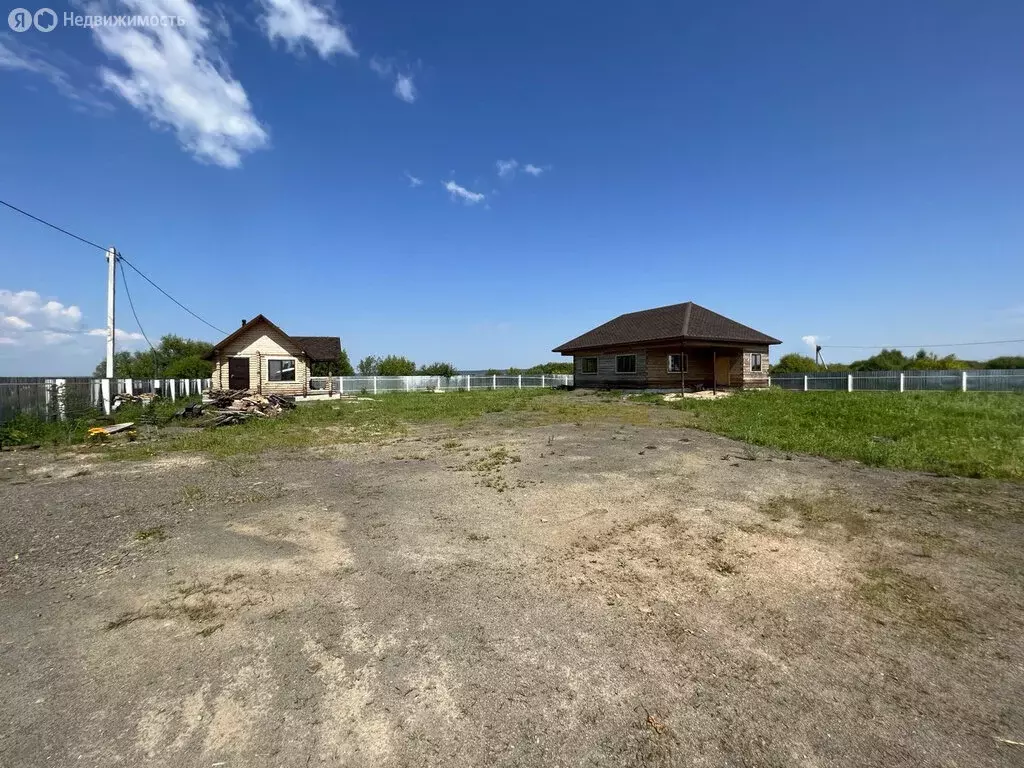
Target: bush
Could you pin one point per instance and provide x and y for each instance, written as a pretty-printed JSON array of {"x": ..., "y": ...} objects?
[
  {"x": 395, "y": 365},
  {"x": 439, "y": 369},
  {"x": 340, "y": 367},
  {"x": 547, "y": 368},
  {"x": 794, "y": 363}
]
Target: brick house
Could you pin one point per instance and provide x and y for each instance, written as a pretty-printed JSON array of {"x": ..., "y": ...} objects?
[{"x": 673, "y": 347}]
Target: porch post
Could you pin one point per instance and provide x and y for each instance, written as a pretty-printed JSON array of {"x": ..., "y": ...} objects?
[
  {"x": 682, "y": 368},
  {"x": 714, "y": 371}
]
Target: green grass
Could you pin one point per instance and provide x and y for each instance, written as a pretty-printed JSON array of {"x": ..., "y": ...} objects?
[
  {"x": 333, "y": 422},
  {"x": 25, "y": 429},
  {"x": 972, "y": 434}
]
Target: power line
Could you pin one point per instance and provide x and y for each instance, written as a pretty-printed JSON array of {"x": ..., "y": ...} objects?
[
  {"x": 165, "y": 293},
  {"x": 128, "y": 293},
  {"x": 53, "y": 226},
  {"x": 120, "y": 258},
  {"x": 924, "y": 346}
]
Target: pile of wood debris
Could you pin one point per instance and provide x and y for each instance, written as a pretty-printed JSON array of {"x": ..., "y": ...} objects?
[
  {"x": 145, "y": 398},
  {"x": 236, "y": 406}
]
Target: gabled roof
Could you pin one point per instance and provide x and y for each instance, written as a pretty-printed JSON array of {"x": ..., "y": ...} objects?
[
  {"x": 687, "y": 321},
  {"x": 316, "y": 348},
  {"x": 320, "y": 348}
]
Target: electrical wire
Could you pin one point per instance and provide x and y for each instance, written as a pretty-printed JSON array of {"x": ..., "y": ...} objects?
[
  {"x": 165, "y": 293},
  {"x": 120, "y": 258},
  {"x": 128, "y": 293},
  {"x": 53, "y": 226}
]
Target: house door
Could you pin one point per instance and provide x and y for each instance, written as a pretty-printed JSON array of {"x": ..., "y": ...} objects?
[
  {"x": 722, "y": 365},
  {"x": 238, "y": 373}
]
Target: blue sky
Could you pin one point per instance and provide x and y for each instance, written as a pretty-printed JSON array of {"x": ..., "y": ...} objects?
[{"x": 851, "y": 171}]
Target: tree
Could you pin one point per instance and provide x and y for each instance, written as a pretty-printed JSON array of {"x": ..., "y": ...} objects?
[
  {"x": 368, "y": 365},
  {"x": 886, "y": 360},
  {"x": 439, "y": 369},
  {"x": 175, "y": 357},
  {"x": 340, "y": 367},
  {"x": 1007, "y": 361},
  {"x": 794, "y": 363},
  {"x": 547, "y": 368},
  {"x": 396, "y": 365}
]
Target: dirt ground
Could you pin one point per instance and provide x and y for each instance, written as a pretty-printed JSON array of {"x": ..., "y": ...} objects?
[{"x": 560, "y": 596}]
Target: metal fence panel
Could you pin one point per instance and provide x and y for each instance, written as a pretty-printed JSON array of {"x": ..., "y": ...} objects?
[
  {"x": 79, "y": 396},
  {"x": 982, "y": 380},
  {"x": 354, "y": 385}
]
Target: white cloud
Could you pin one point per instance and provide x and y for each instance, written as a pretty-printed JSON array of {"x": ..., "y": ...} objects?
[
  {"x": 456, "y": 191},
  {"x": 8, "y": 340},
  {"x": 177, "y": 78},
  {"x": 812, "y": 342},
  {"x": 21, "y": 302},
  {"x": 60, "y": 316},
  {"x": 53, "y": 314},
  {"x": 15, "y": 322},
  {"x": 405, "y": 89},
  {"x": 297, "y": 22},
  {"x": 507, "y": 168},
  {"x": 414, "y": 181},
  {"x": 56, "y": 337},
  {"x": 119, "y": 334},
  {"x": 15, "y": 55}
]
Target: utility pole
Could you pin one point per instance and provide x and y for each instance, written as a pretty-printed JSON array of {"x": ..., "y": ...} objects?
[{"x": 107, "y": 385}]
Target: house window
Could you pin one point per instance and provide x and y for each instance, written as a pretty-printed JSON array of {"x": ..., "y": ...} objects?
[
  {"x": 677, "y": 363},
  {"x": 625, "y": 363},
  {"x": 755, "y": 361},
  {"x": 588, "y": 365},
  {"x": 281, "y": 370}
]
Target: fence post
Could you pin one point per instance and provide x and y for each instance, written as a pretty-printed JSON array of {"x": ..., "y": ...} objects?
[
  {"x": 341, "y": 385},
  {"x": 129, "y": 387},
  {"x": 903, "y": 382},
  {"x": 406, "y": 383},
  {"x": 375, "y": 385},
  {"x": 520, "y": 381},
  {"x": 469, "y": 382},
  {"x": 47, "y": 397},
  {"x": 60, "y": 390},
  {"x": 849, "y": 382},
  {"x": 805, "y": 382},
  {"x": 153, "y": 390},
  {"x": 494, "y": 381},
  {"x": 542, "y": 381},
  {"x": 769, "y": 382},
  {"x": 105, "y": 393},
  {"x": 963, "y": 381},
  {"x": 174, "y": 389}
]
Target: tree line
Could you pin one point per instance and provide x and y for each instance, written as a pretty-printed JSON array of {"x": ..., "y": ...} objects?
[
  {"x": 397, "y": 365},
  {"x": 179, "y": 358},
  {"x": 895, "y": 360}
]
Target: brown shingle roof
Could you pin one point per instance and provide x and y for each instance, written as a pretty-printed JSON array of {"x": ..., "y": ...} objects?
[
  {"x": 317, "y": 348},
  {"x": 320, "y": 348},
  {"x": 687, "y": 321}
]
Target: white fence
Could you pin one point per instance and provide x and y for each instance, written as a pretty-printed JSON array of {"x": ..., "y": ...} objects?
[
  {"x": 62, "y": 398},
  {"x": 373, "y": 385},
  {"x": 903, "y": 381}
]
